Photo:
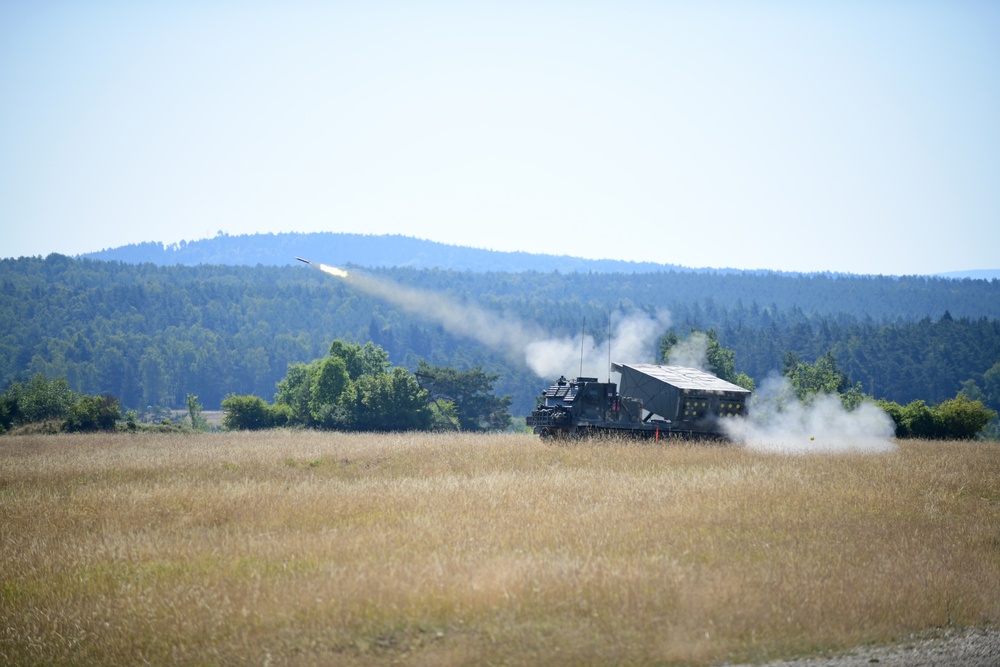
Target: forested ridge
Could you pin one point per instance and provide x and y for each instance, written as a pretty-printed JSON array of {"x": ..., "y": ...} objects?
[
  {"x": 151, "y": 335},
  {"x": 358, "y": 249},
  {"x": 394, "y": 250}
]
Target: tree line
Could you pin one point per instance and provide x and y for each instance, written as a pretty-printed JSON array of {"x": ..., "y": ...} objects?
[
  {"x": 353, "y": 388},
  {"x": 356, "y": 388},
  {"x": 153, "y": 335},
  {"x": 50, "y": 402}
]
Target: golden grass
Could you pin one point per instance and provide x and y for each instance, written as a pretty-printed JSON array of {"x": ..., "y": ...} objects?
[{"x": 319, "y": 548}]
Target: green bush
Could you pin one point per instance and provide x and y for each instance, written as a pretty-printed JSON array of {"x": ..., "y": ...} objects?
[
  {"x": 919, "y": 422},
  {"x": 959, "y": 418},
  {"x": 92, "y": 413},
  {"x": 245, "y": 413},
  {"x": 39, "y": 399},
  {"x": 279, "y": 415},
  {"x": 353, "y": 388}
]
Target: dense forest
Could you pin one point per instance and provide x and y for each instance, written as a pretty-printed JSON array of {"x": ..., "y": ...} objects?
[{"x": 151, "y": 335}]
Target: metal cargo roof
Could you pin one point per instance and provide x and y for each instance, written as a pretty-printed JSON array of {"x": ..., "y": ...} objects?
[{"x": 683, "y": 377}]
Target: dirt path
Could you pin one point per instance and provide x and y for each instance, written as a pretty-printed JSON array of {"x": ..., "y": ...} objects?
[{"x": 972, "y": 648}]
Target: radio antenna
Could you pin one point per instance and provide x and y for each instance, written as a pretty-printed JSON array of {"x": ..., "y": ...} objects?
[
  {"x": 609, "y": 346},
  {"x": 583, "y": 331}
]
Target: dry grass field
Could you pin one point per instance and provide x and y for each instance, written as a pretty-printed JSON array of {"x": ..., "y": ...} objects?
[{"x": 322, "y": 548}]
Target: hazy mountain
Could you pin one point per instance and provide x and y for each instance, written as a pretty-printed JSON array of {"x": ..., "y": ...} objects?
[
  {"x": 979, "y": 274},
  {"x": 386, "y": 251},
  {"x": 364, "y": 250}
]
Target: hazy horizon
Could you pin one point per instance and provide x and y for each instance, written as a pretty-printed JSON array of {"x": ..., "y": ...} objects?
[{"x": 180, "y": 247}]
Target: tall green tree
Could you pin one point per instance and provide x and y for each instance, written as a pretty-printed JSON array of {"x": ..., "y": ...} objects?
[
  {"x": 991, "y": 386},
  {"x": 354, "y": 387},
  {"x": 295, "y": 392},
  {"x": 470, "y": 392},
  {"x": 198, "y": 422},
  {"x": 360, "y": 360},
  {"x": 390, "y": 401},
  {"x": 329, "y": 381},
  {"x": 823, "y": 377}
]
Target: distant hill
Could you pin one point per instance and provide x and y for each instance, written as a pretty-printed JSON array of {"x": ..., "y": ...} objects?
[
  {"x": 980, "y": 274},
  {"x": 372, "y": 251},
  {"x": 396, "y": 251}
]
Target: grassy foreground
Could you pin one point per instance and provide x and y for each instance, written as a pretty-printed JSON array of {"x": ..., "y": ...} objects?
[{"x": 319, "y": 548}]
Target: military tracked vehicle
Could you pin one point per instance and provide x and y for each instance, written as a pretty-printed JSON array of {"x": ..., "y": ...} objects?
[{"x": 653, "y": 402}]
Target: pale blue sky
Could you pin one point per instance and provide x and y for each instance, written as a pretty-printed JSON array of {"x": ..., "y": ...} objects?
[{"x": 806, "y": 136}]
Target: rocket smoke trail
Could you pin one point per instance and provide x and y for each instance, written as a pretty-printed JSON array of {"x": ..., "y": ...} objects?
[{"x": 546, "y": 356}]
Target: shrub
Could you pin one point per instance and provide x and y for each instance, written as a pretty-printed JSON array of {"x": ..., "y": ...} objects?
[
  {"x": 37, "y": 400},
  {"x": 93, "y": 413},
  {"x": 961, "y": 418},
  {"x": 245, "y": 413},
  {"x": 918, "y": 421},
  {"x": 279, "y": 414}
]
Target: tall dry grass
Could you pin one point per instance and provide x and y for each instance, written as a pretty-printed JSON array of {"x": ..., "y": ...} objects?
[{"x": 313, "y": 548}]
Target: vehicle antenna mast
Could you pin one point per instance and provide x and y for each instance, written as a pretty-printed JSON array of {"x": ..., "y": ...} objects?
[{"x": 609, "y": 346}]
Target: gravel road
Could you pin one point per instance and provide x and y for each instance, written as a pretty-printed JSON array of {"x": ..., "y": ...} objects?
[{"x": 971, "y": 648}]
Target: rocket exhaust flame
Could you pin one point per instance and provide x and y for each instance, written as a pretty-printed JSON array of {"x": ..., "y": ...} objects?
[{"x": 332, "y": 270}]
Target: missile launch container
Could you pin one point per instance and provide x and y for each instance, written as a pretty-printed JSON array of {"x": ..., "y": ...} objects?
[{"x": 654, "y": 402}]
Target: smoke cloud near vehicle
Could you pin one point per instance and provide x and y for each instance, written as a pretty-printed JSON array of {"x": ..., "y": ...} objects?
[
  {"x": 691, "y": 352},
  {"x": 633, "y": 338},
  {"x": 633, "y": 335},
  {"x": 778, "y": 422}
]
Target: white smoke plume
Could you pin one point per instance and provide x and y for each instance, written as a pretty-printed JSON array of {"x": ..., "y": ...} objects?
[
  {"x": 633, "y": 336},
  {"x": 633, "y": 339},
  {"x": 466, "y": 320},
  {"x": 778, "y": 422},
  {"x": 691, "y": 352}
]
